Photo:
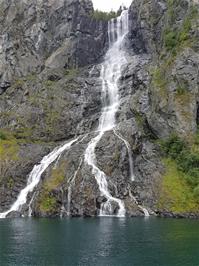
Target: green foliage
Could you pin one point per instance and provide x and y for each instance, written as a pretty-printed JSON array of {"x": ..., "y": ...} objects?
[
  {"x": 177, "y": 37},
  {"x": 182, "y": 89},
  {"x": 175, "y": 195},
  {"x": 48, "y": 203},
  {"x": 170, "y": 39},
  {"x": 104, "y": 16},
  {"x": 186, "y": 158},
  {"x": 2, "y": 135},
  {"x": 196, "y": 139},
  {"x": 71, "y": 73},
  {"x": 196, "y": 192},
  {"x": 188, "y": 162},
  {"x": 173, "y": 146},
  {"x": 159, "y": 79},
  {"x": 8, "y": 150},
  {"x": 47, "y": 200},
  {"x": 10, "y": 183},
  {"x": 139, "y": 118}
]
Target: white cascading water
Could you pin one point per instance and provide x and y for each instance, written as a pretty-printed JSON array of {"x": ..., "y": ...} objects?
[
  {"x": 129, "y": 154},
  {"x": 35, "y": 177},
  {"x": 110, "y": 74}
]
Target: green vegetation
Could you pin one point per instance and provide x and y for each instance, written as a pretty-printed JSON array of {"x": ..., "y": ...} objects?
[
  {"x": 176, "y": 196},
  {"x": 180, "y": 186},
  {"x": 18, "y": 83},
  {"x": 173, "y": 146},
  {"x": 159, "y": 78},
  {"x": 48, "y": 83},
  {"x": 105, "y": 16},
  {"x": 47, "y": 201},
  {"x": 31, "y": 77},
  {"x": 9, "y": 149},
  {"x": 71, "y": 73},
  {"x": 176, "y": 38},
  {"x": 10, "y": 183},
  {"x": 170, "y": 39},
  {"x": 2, "y": 135},
  {"x": 139, "y": 118},
  {"x": 56, "y": 179},
  {"x": 178, "y": 34},
  {"x": 182, "y": 87}
]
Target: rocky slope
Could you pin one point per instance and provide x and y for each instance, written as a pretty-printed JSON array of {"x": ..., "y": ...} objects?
[{"x": 50, "y": 92}]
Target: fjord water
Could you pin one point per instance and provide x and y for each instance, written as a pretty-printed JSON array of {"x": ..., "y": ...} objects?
[{"x": 99, "y": 242}]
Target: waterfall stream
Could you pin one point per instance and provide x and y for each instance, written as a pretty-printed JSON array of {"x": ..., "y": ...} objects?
[
  {"x": 111, "y": 69},
  {"x": 110, "y": 74},
  {"x": 35, "y": 177}
]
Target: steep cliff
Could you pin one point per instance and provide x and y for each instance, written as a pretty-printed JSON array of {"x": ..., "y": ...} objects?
[{"x": 50, "y": 92}]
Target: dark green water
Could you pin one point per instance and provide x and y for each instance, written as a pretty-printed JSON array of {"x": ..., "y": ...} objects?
[{"x": 102, "y": 241}]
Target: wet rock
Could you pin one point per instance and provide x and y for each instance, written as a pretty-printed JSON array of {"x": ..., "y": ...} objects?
[{"x": 14, "y": 214}]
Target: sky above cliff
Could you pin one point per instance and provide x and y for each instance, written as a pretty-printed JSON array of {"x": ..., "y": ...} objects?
[{"x": 108, "y": 5}]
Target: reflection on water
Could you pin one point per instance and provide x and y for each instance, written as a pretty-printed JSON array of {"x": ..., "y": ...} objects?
[{"x": 99, "y": 241}]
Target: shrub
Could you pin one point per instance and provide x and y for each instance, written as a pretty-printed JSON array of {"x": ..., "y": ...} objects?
[
  {"x": 181, "y": 90},
  {"x": 193, "y": 177},
  {"x": 2, "y": 136},
  {"x": 196, "y": 192},
  {"x": 173, "y": 146},
  {"x": 170, "y": 40},
  {"x": 188, "y": 161}
]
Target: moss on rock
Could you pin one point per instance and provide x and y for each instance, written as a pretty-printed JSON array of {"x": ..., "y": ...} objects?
[{"x": 47, "y": 202}]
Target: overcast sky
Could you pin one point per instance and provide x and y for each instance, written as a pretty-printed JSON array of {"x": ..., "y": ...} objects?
[{"x": 108, "y": 5}]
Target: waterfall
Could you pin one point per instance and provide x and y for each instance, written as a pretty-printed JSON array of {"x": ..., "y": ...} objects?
[
  {"x": 35, "y": 177},
  {"x": 111, "y": 69},
  {"x": 110, "y": 74}
]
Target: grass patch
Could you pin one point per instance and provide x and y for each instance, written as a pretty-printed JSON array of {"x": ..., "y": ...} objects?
[
  {"x": 159, "y": 78},
  {"x": 186, "y": 158},
  {"x": 176, "y": 195},
  {"x": 9, "y": 155},
  {"x": 47, "y": 200},
  {"x": 56, "y": 179}
]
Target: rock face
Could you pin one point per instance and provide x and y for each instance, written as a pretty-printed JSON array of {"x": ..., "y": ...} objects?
[
  {"x": 50, "y": 92},
  {"x": 51, "y": 34}
]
